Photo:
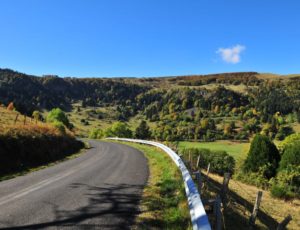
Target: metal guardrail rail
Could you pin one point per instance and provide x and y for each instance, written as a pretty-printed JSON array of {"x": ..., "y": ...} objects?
[{"x": 198, "y": 215}]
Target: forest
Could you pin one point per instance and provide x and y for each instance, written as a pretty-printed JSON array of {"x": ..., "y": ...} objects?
[{"x": 200, "y": 107}]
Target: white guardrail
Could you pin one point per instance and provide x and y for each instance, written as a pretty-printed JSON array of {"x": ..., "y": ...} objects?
[{"x": 197, "y": 211}]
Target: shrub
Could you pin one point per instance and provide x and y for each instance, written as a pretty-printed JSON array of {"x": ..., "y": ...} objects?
[
  {"x": 58, "y": 115},
  {"x": 60, "y": 126},
  {"x": 119, "y": 129},
  {"x": 279, "y": 191},
  {"x": 262, "y": 154},
  {"x": 290, "y": 140},
  {"x": 96, "y": 134},
  {"x": 283, "y": 132},
  {"x": 287, "y": 183},
  {"x": 254, "y": 178},
  {"x": 143, "y": 131},
  {"x": 290, "y": 156},
  {"x": 220, "y": 162},
  {"x": 36, "y": 115}
]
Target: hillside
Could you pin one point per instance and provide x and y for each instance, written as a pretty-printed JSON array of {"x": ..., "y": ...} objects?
[{"x": 228, "y": 106}]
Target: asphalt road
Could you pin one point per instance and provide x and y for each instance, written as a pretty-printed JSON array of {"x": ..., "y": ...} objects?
[{"x": 101, "y": 189}]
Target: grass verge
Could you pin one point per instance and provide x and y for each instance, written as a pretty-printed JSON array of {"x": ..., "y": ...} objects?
[{"x": 164, "y": 204}]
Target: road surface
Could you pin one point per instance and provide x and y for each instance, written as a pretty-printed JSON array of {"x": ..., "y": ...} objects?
[{"x": 101, "y": 189}]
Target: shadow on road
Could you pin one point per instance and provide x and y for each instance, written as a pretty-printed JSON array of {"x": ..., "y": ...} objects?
[{"x": 109, "y": 207}]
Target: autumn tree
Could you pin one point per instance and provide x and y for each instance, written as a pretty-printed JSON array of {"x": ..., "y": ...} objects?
[{"x": 11, "y": 106}]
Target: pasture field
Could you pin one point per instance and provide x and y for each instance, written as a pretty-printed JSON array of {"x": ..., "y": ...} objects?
[{"x": 236, "y": 149}]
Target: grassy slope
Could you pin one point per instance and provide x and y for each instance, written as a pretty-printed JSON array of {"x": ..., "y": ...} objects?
[
  {"x": 164, "y": 204},
  {"x": 35, "y": 136},
  {"x": 94, "y": 122},
  {"x": 272, "y": 210},
  {"x": 8, "y": 117}
]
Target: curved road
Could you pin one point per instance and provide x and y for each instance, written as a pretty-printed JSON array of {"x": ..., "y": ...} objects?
[{"x": 100, "y": 189}]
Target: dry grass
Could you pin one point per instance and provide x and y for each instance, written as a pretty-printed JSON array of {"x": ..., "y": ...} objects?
[
  {"x": 272, "y": 210},
  {"x": 8, "y": 117},
  {"x": 28, "y": 128},
  {"x": 271, "y": 76}
]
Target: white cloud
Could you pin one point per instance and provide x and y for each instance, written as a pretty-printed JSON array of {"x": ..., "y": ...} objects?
[{"x": 232, "y": 54}]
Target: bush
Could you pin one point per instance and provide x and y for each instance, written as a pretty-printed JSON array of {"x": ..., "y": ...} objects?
[
  {"x": 220, "y": 162},
  {"x": 287, "y": 183},
  {"x": 96, "y": 134},
  {"x": 58, "y": 115},
  {"x": 291, "y": 139},
  {"x": 60, "y": 126},
  {"x": 143, "y": 131},
  {"x": 283, "y": 132},
  {"x": 118, "y": 129},
  {"x": 279, "y": 191},
  {"x": 254, "y": 178},
  {"x": 290, "y": 156},
  {"x": 262, "y": 154}
]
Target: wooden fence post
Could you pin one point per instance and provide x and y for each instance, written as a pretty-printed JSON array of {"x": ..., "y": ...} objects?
[
  {"x": 188, "y": 165},
  {"x": 217, "y": 213},
  {"x": 198, "y": 162},
  {"x": 255, "y": 208},
  {"x": 282, "y": 225},
  {"x": 16, "y": 119},
  {"x": 208, "y": 168},
  {"x": 224, "y": 189},
  {"x": 198, "y": 180}
]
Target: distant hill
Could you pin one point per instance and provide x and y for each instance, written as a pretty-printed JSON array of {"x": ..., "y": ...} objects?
[{"x": 31, "y": 92}]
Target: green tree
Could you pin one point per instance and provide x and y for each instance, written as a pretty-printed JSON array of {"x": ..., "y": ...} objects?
[
  {"x": 143, "y": 131},
  {"x": 263, "y": 154},
  {"x": 57, "y": 115}
]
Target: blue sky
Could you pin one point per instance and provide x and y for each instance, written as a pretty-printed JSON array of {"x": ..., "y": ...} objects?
[{"x": 149, "y": 37}]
